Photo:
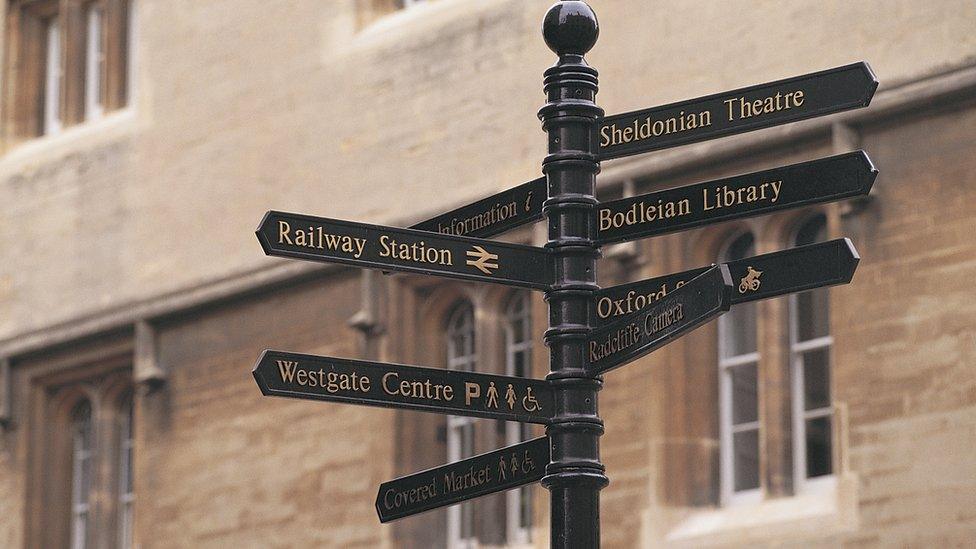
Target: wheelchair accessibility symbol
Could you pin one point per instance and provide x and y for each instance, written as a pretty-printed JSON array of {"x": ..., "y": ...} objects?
[
  {"x": 529, "y": 403},
  {"x": 750, "y": 282}
]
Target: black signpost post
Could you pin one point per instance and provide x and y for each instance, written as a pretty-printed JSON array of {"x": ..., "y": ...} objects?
[{"x": 591, "y": 330}]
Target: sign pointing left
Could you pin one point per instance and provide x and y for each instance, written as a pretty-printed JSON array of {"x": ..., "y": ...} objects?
[
  {"x": 503, "y": 469},
  {"x": 453, "y": 392},
  {"x": 405, "y": 250}
]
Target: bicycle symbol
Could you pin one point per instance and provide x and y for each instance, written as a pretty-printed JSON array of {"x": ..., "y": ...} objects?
[{"x": 751, "y": 281}]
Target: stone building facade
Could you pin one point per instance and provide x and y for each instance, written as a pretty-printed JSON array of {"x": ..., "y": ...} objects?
[{"x": 142, "y": 141}]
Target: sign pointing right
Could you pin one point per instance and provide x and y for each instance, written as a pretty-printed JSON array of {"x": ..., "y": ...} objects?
[
  {"x": 757, "y": 277},
  {"x": 758, "y": 193},
  {"x": 737, "y": 111},
  {"x": 635, "y": 335}
]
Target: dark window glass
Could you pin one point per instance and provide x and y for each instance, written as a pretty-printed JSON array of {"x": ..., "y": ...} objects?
[{"x": 818, "y": 447}]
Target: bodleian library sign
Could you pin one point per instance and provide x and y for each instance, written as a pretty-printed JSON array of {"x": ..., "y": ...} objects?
[{"x": 622, "y": 323}]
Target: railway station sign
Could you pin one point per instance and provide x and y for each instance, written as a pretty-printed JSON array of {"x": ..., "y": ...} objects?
[
  {"x": 405, "y": 250},
  {"x": 502, "y": 469},
  {"x": 453, "y": 392},
  {"x": 753, "y": 278},
  {"x": 737, "y": 111},
  {"x": 817, "y": 181}
]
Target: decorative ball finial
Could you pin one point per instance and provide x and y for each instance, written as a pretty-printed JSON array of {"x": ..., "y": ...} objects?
[{"x": 570, "y": 28}]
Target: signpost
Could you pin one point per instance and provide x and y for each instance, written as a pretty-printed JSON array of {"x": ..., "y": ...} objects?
[
  {"x": 753, "y": 278},
  {"x": 758, "y": 193},
  {"x": 405, "y": 250},
  {"x": 591, "y": 330},
  {"x": 737, "y": 111},
  {"x": 503, "y": 469},
  {"x": 454, "y": 392},
  {"x": 493, "y": 215},
  {"x": 633, "y": 336}
]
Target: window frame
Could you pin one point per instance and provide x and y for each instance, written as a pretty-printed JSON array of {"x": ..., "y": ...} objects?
[
  {"x": 82, "y": 466},
  {"x": 125, "y": 472},
  {"x": 797, "y": 348},
  {"x": 727, "y": 428},
  {"x": 53, "y": 386},
  {"x": 461, "y": 322},
  {"x": 516, "y": 432},
  {"x": 45, "y": 91}
]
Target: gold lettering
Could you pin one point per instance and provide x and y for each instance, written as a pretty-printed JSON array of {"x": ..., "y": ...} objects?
[
  {"x": 471, "y": 390},
  {"x": 763, "y": 105}
]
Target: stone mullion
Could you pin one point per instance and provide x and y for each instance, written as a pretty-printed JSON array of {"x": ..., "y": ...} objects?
[
  {"x": 73, "y": 32},
  {"x": 115, "y": 84}
]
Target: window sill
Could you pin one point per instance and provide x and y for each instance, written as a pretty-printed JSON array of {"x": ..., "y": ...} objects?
[
  {"x": 420, "y": 21},
  {"x": 827, "y": 506},
  {"x": 78, "y": 138}
]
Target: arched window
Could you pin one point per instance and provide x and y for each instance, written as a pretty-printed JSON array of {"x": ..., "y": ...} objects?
[
  {"x": 126, "y": 495},
  {"x": 810, "y": 343},
  {"x": 461, "y": 355},
  {"x": 81, "y": 473},
  {"x": 738, "y": 362},
  {"x": 518, "y": 361}
]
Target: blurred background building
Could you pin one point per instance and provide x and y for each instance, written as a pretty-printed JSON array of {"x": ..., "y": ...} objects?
[{"x": 142, "y": 141}]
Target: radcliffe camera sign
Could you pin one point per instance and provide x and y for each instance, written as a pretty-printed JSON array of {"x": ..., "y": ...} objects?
[
  {"x": 333, "y": 379},
  {"x": 635, "y": 335},
  {"x": 737, "y": 111}
]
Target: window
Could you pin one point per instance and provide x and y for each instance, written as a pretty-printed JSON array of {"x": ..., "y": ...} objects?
[
  {"x": 810, "y": 343},
  {"x": 80, "y": 486},
  {"x": 67, "y": 62},
  {"x": 81, "y": 473},
  {"x": 126, "y": 495},
  {"x": 461, "y": 430},
  {"x": 52, "y": 76},
  {"x": 738, "y": 391},
  {"x": 518, "y": 360},
  {"x": 94, "y": 62},
  {"x": 506, "y": 518}
]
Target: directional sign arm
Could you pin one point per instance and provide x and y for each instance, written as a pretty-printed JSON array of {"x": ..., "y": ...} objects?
[
  {"x": 493, "y": 215},
  {"x": 503, "y": 469},
  {"x": 737, "y": 111},
  {"x": 349, "y": 381},
  {"x": 633, "y": 336},
  {"x": 754, "y": 278},
  {"x": 406, "y": 250},
  {"x": 758, "y": 193}
]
